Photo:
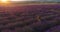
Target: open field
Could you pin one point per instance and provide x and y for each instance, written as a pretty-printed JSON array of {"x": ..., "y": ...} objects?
[{"x": 29, "y": 18}]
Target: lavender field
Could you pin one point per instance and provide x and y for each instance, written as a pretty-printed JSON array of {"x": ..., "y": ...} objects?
[{"x": 30, "y": 18}]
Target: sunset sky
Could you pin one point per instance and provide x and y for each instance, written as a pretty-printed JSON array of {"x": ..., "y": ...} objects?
[
  {"x": 32, "y": 0},
  {"x": 35, "y": 0}
]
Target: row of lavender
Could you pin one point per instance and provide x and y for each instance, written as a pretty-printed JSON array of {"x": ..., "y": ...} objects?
[{"x": 31, "y": 18}]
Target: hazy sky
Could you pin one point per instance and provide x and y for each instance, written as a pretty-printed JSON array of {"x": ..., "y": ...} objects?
[{"x": 38, "y": 0}]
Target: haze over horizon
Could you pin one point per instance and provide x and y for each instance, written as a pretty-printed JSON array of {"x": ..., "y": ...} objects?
[{"x": 38, "y": 0}]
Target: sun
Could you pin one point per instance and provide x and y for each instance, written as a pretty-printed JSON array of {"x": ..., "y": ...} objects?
[{"x": 4, "y": 1}]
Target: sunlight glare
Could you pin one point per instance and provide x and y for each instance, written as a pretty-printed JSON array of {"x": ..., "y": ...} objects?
[{"x": 4, "y": 1}]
